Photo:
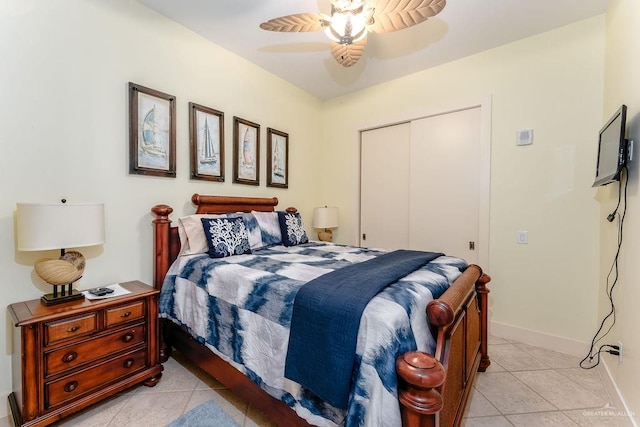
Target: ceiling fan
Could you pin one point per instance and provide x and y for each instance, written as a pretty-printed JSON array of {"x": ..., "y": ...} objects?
[{"x": 351, "y": 20}]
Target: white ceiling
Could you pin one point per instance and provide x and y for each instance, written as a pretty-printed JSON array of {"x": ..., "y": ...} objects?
[{"x": 463, "y": 28}]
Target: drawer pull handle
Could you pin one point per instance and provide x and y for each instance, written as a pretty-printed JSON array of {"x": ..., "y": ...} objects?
[
  {"x": 128, "y": 363},
  {"x": 69, "y": 357},
  {"x": 74, "y": 328},
  {"x": 69, "y": 387},
  {"x": 127, "y": 337},
  {"x": 126, "y": 314}
]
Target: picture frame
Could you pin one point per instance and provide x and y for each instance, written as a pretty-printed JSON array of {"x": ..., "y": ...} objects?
[
  {"x": 277, "y": 158},
  {"x": 246, "y": 152},
  {"x": 206, "y": 143},
  {"x": 152, "y": 132}
]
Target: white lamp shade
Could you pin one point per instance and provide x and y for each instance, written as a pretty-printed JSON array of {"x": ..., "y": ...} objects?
[
  {"x": 326, "y": 217},
  {"x": 59, "y": 226}
]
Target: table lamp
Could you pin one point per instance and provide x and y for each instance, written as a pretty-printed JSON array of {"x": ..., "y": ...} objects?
[
  {"x": 325, "y": 218},
  {"x": 42, "y": 227}
]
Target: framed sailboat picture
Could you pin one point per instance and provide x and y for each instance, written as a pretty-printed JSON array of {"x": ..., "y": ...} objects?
[
  {"x": 206, "y": 139},
  {"x": 246, "y": 152},
  {"x": 277, "y": 158},
  {"x": 152, "y": 132}
]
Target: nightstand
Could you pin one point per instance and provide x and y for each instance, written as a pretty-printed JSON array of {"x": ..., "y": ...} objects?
[{"x": 71, "y": 355}]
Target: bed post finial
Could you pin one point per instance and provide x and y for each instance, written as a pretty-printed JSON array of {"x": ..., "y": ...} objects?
[
  {"x": 162, "y": 212},
  {"x": 419, "y": 376}
]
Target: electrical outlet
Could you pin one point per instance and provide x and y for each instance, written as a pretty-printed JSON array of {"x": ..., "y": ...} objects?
[{"x": 619, "y": 351}]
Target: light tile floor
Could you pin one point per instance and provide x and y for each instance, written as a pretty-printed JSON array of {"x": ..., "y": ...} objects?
[
  {"x": 524, "y": 386},
  {"x": 531, "y": 386}
]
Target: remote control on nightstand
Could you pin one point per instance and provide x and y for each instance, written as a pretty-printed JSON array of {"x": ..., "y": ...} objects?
[{"x": 100, "y": 291}]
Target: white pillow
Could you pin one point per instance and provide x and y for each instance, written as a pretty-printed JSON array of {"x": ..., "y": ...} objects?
[{"x": 192, "y": 238}]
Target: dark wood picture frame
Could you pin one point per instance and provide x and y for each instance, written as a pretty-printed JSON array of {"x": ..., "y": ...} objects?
[
  {"x": 277, "y": 158},
  {"x": 246, "y": 152},
  {"x": 152, "y": 132},
  {"x": 206, "y": 142}
]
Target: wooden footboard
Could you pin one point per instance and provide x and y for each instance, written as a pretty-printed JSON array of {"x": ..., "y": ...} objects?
[
  {"x": 432, "y": 390},
  {"x": 461, "y": 351}
]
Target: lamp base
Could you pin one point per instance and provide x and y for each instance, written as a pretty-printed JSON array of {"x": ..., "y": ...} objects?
[
  {"x": 325, "y": 235},
  {"x": 60, "y": 297}
]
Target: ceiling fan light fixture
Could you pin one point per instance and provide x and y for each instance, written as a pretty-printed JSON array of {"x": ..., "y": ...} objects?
[{"x": 347, "y": 26}]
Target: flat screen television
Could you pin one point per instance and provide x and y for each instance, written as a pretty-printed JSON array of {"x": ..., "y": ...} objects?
[{"x": 612, "y": 149}]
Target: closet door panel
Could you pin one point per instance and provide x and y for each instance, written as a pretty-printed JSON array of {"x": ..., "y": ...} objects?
[
  {"x": 444, "y": 183},
  {"x": 384, "y": 193}
]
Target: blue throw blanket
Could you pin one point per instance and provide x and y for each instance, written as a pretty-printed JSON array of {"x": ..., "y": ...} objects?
[{"x": 326, "y": 317}]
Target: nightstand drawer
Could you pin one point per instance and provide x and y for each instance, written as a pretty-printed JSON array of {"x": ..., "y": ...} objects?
[
  {"x": 70, "y": 328},
  {"x": 72, "y": 386},
  {"x": 74, "y": 355},
  {"x": 125, "y": 313}
]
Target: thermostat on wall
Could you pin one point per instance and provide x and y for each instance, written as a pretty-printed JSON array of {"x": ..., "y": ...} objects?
[{"x": 524, "y": 137}]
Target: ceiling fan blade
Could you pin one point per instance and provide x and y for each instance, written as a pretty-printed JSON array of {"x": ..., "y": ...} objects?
[
  {"x": 385, "y": 16},
  {"x": 299, "y": 22},
  {"x": 348, "y": 54}
]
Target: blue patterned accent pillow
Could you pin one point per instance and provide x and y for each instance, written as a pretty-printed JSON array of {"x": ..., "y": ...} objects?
[
  {"x": 292, "y": 229},
  {"x": 226, "y": 236},
  {"x": 253, "y": 231},
  {"x": 263, "y": 229}
]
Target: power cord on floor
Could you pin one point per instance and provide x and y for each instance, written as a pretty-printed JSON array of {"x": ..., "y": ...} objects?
[{"x": 594, "y": 351}]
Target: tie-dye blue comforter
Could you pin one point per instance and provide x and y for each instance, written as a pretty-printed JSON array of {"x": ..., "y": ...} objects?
[{"x": 240, "y": 307}]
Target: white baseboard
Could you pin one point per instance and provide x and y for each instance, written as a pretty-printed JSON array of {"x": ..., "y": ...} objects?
[
  {"x": 614, "y": 393},
  {"x": 566, "y": 346},
  {"x": 539, "y": 339}
]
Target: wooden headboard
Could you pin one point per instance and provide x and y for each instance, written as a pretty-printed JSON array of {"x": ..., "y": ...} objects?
[
  {"x": 229, "y": 204},
  {"x": 166, "y": 242}
]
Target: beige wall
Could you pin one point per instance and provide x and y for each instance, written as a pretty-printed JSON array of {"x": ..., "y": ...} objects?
[
  {"x": 622, "y": 86},
  {"x": 551, "y": 83},
  {"x": 64, "y": 133},
  {"x": 64, "y": 129}
]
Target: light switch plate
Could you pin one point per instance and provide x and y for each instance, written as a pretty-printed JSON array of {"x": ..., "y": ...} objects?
[{"x": 523, "y": 237}]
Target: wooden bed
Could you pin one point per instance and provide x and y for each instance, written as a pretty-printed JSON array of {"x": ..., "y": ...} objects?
[{"x": 432, "y": 390}]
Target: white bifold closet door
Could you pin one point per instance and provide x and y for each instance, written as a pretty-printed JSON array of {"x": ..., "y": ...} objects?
[{"x": 420, "y": 185}]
